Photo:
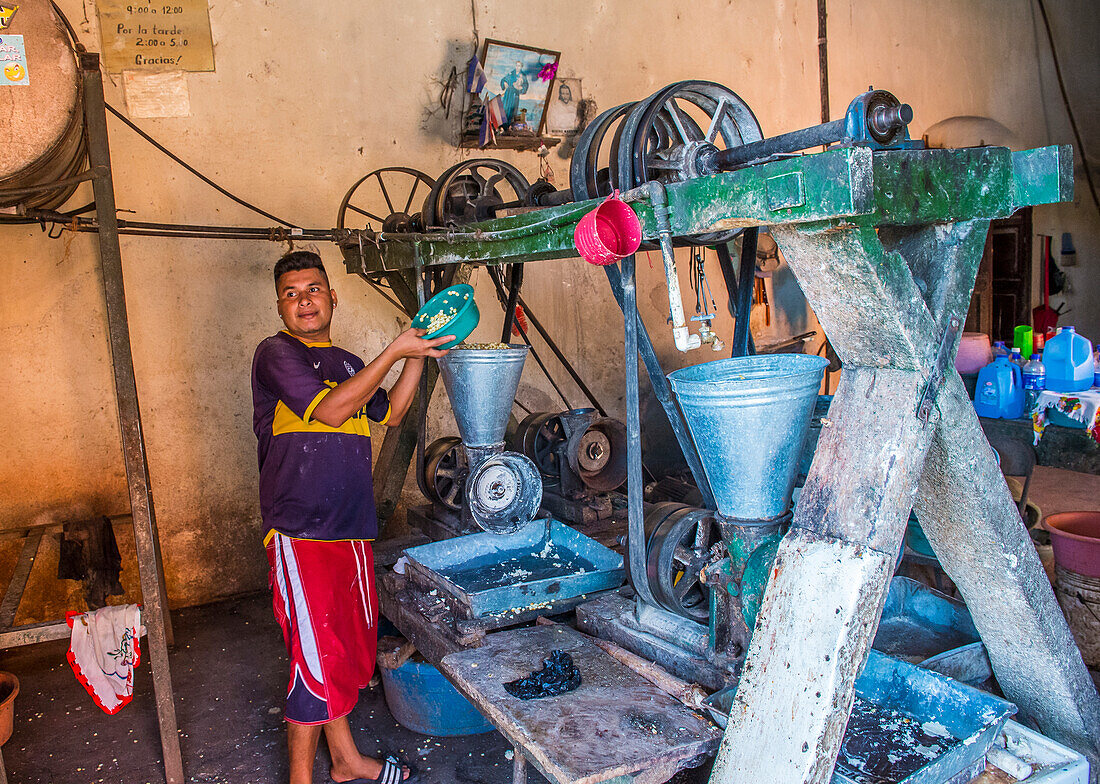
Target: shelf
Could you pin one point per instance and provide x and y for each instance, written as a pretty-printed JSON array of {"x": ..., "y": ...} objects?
[{"x": 506, "y": 142}]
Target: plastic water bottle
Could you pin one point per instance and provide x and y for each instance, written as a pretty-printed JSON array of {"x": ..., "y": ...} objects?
[
  {"x": 1016, "y": 358},
  {"x": 999, "y": 349},
  {"x": 1096, "y": 367},
  {"x": 1035, "y": 381}
]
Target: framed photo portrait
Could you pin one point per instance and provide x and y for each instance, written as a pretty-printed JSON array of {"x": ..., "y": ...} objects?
[
  {"x": 563, "y": 115},
  {"x": 521, "y": 76}
]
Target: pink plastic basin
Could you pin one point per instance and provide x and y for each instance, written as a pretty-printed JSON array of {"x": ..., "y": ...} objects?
[{"x": 1076, "y": 540}]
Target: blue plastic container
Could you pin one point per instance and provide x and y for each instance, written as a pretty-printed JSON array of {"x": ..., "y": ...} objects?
[
  {"x": 1068, "y": 360},
  {"x": 1000, "y": 390},
  {"x": 422, "y": 700},
  {"x": 462, "y": 315}
]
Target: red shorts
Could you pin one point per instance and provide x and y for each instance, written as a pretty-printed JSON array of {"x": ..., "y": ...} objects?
[{"x": 326, "y": 604}]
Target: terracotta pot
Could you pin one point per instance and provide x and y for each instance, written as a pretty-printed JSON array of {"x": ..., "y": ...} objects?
[
  {"x": 1076, "y": 540},
  {"x": 9, "y": 688}
]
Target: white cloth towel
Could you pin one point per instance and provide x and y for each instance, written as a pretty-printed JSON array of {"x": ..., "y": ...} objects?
[{"x": 103, "y": 651}]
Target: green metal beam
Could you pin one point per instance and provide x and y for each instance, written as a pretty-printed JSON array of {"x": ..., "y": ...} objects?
[{"x": 880, "y": 188}]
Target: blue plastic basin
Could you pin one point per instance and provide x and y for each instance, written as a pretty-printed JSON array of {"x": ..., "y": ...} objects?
[{"x": 422, "y": 700}]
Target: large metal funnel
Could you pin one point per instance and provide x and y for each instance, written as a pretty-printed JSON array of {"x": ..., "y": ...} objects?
[
  {"x": 749, "y": 417},
  {"x": 481, "y": 384}
]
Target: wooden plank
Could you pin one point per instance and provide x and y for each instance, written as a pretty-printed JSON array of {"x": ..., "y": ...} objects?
[
  {"x": 34, "y": 633},
  {"x": 14, "y": 593},
  {"x": 615, "y": 724},
  {"x": 969, "y": 517}
]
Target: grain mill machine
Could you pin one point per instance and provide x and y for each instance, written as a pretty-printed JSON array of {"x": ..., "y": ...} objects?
[{"x": 884, "y": 238}]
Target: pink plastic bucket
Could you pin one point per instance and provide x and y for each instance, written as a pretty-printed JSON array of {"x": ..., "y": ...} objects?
[
  {"x": 974, "y": 352},
  {"x": 610, "y": 232},
  {"x": 1076, "y": 540}
]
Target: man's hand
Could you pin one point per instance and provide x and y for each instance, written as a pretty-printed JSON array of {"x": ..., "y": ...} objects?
[{"x": 411, "y": 344}]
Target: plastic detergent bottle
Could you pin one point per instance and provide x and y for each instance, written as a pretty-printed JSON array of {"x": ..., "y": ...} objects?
[
  {"x": 999, "y": 393},
  {"x": 1035, "y": 381},
  {"x": 1069, "y": 362},
  {"x": 999, "y": 349}
]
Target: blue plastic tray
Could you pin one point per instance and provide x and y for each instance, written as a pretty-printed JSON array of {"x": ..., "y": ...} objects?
[
  {"x": 908, "y": 726},
  {"x": 539, "y": 565}
]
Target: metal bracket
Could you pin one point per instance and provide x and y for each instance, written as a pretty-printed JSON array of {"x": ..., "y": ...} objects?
[{"x": 939, "y": 368}]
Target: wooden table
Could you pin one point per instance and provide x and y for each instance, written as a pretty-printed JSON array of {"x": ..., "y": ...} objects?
[{"x": 615, "y": 727}]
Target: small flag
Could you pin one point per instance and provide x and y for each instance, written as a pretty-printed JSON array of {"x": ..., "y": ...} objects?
[{"x": 475, "y": 76}]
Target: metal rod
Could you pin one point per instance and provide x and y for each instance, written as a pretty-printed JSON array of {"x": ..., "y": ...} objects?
[
  {"x": 635, "y": 526},
  {"x": 516, "y": 280},
  {"x": 663, "y": 392},
  {"x": 826, "y": 133},
  {"x": 422, "y": 386},
  {"x": 129, "y": 415},
  {"x": 561, "y": 357},
  {"x": 493, "y": 275},
  {"x": 746, "y": 281}
]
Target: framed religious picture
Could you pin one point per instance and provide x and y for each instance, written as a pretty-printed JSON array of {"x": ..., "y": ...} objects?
[
  {"x": 521, "y": 77},
  {"x": 563, "y": 115}
]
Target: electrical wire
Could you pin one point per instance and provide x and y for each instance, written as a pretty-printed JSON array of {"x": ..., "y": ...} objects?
[
  {"x": 192, "y": 169},
  {"x": 1065, "y": 101}
]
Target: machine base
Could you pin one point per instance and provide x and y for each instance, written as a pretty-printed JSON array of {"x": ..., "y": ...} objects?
[{"x": 611, "y": 617}]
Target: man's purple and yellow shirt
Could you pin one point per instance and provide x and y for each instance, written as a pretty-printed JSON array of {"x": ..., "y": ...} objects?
[{"x": 315, "y": 480}]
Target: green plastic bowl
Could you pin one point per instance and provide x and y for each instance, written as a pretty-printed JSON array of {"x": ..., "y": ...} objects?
[{"x": 461, "y": 324}]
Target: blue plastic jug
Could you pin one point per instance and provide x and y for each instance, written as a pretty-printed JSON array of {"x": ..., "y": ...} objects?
[
  {"x": 1068, "y": 360},
  {"x": 999, "y": 393}
]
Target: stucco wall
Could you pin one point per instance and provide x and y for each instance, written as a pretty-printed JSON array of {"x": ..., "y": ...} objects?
[{"x": 309, "y": 97}]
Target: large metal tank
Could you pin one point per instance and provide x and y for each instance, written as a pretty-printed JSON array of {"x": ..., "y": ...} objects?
[{"x": 42, "y": 122}]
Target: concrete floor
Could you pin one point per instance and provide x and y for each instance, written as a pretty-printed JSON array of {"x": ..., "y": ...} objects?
[{"x": 229, "y": 669}]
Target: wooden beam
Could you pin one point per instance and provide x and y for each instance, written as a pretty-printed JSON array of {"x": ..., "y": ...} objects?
[{"x": 14, "y": 593}]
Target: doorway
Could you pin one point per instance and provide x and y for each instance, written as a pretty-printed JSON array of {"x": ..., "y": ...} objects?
[{"x": 1002, "y": 288}]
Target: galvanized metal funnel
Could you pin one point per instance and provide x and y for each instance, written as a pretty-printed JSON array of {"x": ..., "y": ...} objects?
[
  {"x": 749, "y": 417},
  {"x": 481, "y": 384}
]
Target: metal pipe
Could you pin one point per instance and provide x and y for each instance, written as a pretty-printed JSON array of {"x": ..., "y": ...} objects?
[
  {"x": 480, "y": 235},
  {"x": 657, "y": 195}
]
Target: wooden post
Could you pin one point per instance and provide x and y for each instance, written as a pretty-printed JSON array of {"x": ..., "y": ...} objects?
[{"x": 886, "y": 299}]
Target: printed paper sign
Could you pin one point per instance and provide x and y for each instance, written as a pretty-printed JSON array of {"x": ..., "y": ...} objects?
[
  {"x": 13, "y": 61},
  {"x": 162, "y": 35}
]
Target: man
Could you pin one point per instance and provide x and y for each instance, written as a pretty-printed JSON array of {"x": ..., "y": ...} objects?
[{"x": 311, "y": 404}]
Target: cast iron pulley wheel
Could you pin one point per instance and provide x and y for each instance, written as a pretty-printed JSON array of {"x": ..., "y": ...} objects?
[
  {"x": 538, "y": 436},
  {"x": 679, "y": 543},
  {"x": 385, "y": 198},
  {"x": 592, "y": 169},
  {"x": 667, "y": 136},
  {"x": 445, "y": 472},
  {"x": 473, "y": 191},
  {"x": 597, "y": 453},
  {"x": 676, "y": 117}
]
